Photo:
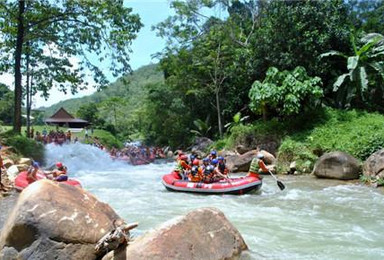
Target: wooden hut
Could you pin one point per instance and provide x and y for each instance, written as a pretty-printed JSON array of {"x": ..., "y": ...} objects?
[{"x": 63, "y": 118}]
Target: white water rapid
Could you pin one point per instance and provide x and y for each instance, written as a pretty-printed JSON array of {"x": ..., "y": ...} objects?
[{"x": 311, "y": 219}]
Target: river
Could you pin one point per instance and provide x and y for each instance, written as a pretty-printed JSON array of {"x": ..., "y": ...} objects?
[{"x": 311, "y": 219}]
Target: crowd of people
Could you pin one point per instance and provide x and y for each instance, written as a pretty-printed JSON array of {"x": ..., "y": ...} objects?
[
  {"x": 63, "y": 137},
  {"x": 57, "y": 137},
  {"x": 137, "y": 154},
  {"x": 211, "y": 168}
]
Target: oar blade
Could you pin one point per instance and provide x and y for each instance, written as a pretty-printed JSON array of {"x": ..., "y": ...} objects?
[{"x": 281, "y": 185}]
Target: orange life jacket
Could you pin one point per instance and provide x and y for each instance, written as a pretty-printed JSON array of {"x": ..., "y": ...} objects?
[{"x": 196, "y": 174}]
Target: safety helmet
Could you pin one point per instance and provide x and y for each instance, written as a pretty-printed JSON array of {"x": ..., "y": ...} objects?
[
  {"x": 206, "y": 159},
  {"x": 59, "y": 165},
  {"x": 184, "y": 157},
  {"x": 196, "y": 162},
  {"x": 35, "y": 164},
  {"x": 260, "y": 155},
  {"x": 192, "y": 157},
  {"x": 220, "y": 158},
  {"x": 195, "y": 170},
  {"x": 215, "y": 161},
  {"x": 213, "y": 152}
]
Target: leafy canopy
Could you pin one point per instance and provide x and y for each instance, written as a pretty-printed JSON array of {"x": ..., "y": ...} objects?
[
  {"x": 287, "y": 92},
  {"x": 365, "y": 71}
]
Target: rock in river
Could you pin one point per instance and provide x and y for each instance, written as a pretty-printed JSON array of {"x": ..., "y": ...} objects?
[
  {"x": 55, "y": 221},
  {"x": 201, "y": 234}
]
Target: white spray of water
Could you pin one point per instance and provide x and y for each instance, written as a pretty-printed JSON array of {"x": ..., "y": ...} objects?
[{"x": 80, "y": 156}]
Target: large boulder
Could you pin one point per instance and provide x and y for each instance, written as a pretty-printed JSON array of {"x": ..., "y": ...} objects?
[
  {"x": 374, "y": 165},
  {"x": 337, "y": 165},
  {"x": 241, "y": 149},
  {"x": 202, "y": 234},
  {"x": 55, "y": 221},
  {"x": 241, "y": 163},
  {"x": 201, "y": 144}
]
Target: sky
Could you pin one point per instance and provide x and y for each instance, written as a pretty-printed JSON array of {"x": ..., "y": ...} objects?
[{"x": 147, "y": 43}]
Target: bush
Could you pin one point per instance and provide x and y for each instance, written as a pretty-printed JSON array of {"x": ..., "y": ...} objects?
[
  {"x": 357, "y": 133},
  {"x": 107, "y": 139},
  {"x": 218, "y": 145},
  {"x": 253, "y": 134},
  {"x": 299, "y": 152},
  {"x": 26, "y": 147}
]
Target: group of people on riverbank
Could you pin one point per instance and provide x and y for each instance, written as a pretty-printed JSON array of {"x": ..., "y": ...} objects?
[{"x": 57, "y": 137}]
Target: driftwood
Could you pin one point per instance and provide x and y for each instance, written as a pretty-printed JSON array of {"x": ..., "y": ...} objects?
[{"x": 113, "y": 239}]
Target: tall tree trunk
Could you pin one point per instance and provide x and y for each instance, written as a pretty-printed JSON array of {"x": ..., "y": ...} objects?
[
  {"x": 218, "y": 112},
  {"x": 28, "y": 90},
  {"x": 18, "y": 53},
  {"x": 265, "y": 112}
]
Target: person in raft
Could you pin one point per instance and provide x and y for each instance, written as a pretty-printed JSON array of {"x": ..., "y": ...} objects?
[
  {"x": 257, "y": 166},
  {"x": 221, "y": 166},
  {"x": 196, "y": 173},
  {"x": 217, "y": 175},
  {"x": 182, "y": 168},
  {"x": 32, "y": 172},
  {"x": 212, "y": 155},
  {"x": 60, "y": 173}
]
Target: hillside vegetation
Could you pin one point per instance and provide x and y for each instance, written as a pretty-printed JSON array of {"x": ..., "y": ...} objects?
[{"x": 132, "y": 90}]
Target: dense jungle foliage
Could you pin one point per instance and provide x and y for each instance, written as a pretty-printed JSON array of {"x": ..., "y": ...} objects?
[{"x": 252, "y": 65}]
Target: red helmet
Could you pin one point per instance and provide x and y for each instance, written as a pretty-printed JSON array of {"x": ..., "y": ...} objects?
[
  {"x": 184, "y": 157},
  {"x": 196, "y": 162},
  {"x": 59, "y": 165}
]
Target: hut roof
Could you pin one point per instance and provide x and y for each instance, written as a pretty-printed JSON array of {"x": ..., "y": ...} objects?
[{"x": 62, "y": 116}]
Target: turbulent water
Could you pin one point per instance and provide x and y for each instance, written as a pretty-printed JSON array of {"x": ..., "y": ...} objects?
[{"x": 311, "y": 219}]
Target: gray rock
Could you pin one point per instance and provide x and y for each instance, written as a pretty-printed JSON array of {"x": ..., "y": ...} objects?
[
  {"x": 55, "y": 221},
  {"x": 337, "y": 165},
  {"x": 202, "y": 234},
  {"x": 200, "y": 144},
  {"x": 241, "y": 163},
  {"x": 374, "y": 165}
]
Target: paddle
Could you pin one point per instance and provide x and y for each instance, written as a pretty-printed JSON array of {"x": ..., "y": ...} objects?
[{"x": 279, "y": 183}]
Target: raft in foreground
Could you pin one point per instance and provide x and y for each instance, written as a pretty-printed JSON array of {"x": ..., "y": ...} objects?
[
  {"x": 236, "y": 186},
  {"x": 21, "y": 181}
]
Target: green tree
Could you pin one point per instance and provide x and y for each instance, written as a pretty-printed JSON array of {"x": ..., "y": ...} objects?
[
  {"x": 294, "y": 33},
  {"x": 113, "y": 106},
  {"x": 367, "y": 15},
  {"x": 89, "y": 112},
  {"x": 6, "y": 104},
  {"x": 75, "y": 28},
  {"x": 286, "y": 92},
  {"x": 365, "y": 72}
]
